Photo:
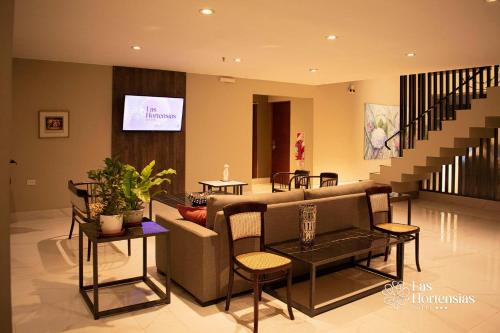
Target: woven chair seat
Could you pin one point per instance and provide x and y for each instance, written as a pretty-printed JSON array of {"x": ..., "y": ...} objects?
[
  {"x": 397, "y": 228},
  {"x": 262, "y": 260}
]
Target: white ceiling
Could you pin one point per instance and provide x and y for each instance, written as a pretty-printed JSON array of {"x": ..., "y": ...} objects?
[{"x": 278, "y": 40}]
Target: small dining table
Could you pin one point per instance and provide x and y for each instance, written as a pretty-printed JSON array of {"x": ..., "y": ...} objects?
[{"x": 221, "y": 185}]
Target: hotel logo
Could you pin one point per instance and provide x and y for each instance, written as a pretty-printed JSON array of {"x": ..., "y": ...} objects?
[{"x": 420, "y": 295}]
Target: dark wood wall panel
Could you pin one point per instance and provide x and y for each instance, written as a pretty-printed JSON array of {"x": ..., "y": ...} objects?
[{"x": 138, "y": 148}]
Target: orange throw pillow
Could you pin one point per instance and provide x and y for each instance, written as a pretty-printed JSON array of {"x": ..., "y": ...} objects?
[{"x": 197, "y": 215}]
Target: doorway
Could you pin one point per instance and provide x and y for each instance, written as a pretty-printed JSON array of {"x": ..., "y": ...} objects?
[
  {"x": 271, "y": 128},
  {"x": 280, "y": 134}
]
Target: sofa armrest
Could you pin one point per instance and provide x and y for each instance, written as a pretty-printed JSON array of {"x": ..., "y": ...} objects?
[{"x": 192, "y": 253}]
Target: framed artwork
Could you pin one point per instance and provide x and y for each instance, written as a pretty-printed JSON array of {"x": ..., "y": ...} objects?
[
  {"x": 381, "y": 122},
  {"x": 53, "y": 124}
]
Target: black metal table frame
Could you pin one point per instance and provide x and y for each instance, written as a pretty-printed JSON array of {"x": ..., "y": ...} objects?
[
  {"x": 312, "y": 311},
  {"x": 164, "y": 297}
]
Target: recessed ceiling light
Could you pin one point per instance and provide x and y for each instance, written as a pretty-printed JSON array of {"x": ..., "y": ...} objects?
[
  {"x": 237, "y": 59},
  {"x": 136, "y": 47},
  {"x": 331, "y": 37},
  {"x": 313, "y": 70},
  {"x": 491, "y": 0},
  {"x": 411, "y": 54},
  {"x": 206, "y": 11}
]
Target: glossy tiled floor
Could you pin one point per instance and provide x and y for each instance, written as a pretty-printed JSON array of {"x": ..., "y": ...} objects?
[{"x": 460, "y": 257}]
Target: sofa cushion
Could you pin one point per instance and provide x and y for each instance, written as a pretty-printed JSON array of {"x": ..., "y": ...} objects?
[
  {"x": 197, "y": 215},
  {"x": 333, "y": 191},
  {"x": 217, "y": 202}
]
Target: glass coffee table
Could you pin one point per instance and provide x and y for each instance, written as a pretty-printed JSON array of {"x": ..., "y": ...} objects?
[{"x": 342, "y": 245}]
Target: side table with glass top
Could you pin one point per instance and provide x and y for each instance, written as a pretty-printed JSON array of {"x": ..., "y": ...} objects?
[{"x": 147, "y": 229}]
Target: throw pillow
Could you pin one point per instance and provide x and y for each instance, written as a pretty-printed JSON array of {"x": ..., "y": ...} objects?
[{"x": 197, "y": 215}]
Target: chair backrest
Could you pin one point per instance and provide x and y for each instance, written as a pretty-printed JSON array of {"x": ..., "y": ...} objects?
[
  {"x": 79, "y": 198},
  {"x": 328, "y": 179},
  {"x": 245, "y": 220},
  {"x": 377, "y": 198},
  {"x": 300, "y": 179}
]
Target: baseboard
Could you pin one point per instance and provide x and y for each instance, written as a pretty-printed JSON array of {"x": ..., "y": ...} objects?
[
  {"x": 460, "y": 200},
  {"x": 40, "y": 214},
  {"x": 265, "y": 180}
]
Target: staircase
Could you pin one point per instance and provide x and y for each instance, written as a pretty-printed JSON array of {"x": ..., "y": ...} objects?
[{"x": 442, "y": 146}]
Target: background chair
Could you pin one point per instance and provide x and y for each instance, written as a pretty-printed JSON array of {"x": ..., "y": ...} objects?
[
  {"x": 328, "y": 179},
  {"x": 246, "y": 220},
  {"x": 381, "y": 220},
  {"x": 83, "y": 195},
  {"x": 285, "y": 181}
]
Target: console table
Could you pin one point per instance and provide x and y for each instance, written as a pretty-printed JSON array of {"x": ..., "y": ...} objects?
[
  {"x": 335, "y": 246},
  {"x": 147, "y": 229},
  {"x": 235, "y": 184}
]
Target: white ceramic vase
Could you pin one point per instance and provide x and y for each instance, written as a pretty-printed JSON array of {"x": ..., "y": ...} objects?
[
  {"x": 111, "y": 224},
  {"x": 225, "y": 173},
  {"x": 133, "y": 216}
]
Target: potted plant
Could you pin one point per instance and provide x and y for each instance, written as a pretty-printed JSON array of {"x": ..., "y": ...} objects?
[
  {"x": 110, "y": 202},
  {"x": 136, "y": 189}
]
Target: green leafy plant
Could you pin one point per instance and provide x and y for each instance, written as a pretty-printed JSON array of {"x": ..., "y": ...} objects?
[
  {"x": 109, "y": 187},
  {"x": 136, "y": 186}
]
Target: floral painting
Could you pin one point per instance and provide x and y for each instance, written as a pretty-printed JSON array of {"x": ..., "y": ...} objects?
[{"x": 381, "y": 122}]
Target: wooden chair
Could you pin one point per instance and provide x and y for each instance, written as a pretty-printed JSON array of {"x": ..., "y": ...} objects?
[
  {"x": 282, "y": 181},
  {"x": 83, "y": 195},
  {"x": 246, "y": 220},
  {"x": 328, "y": 179},
  {"x": 378, "y": 203}
]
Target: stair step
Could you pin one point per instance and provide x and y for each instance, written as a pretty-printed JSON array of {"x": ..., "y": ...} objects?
[
  {"x": 419, "y": 169},
  {"x": 405, "y": 177},
  {"x": 438, "y": 161},
  {"x": 452, "y": 152},
  {"x": 481, "y": 132},
  {"x": 493, "y": 122},
  {"x": 466, "y": 142}
]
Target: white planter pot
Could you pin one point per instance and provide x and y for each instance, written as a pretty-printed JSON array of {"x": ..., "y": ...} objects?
[
  {"x": 133, "y": 216},
  {"x": 111, "y": 224}
]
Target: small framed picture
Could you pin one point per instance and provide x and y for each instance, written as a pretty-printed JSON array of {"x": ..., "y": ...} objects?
[{"x": 53, "y": 124}]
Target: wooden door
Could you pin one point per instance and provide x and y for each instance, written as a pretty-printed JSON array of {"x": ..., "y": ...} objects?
[
  {"x": 254, "y": 141},
  {"x": 280, "y": 137}
]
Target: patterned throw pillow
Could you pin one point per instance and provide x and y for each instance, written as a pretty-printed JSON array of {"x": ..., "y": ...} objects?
[{"x": 198, "y": 198}]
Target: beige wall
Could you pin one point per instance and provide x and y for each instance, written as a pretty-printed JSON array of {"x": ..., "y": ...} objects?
[
  {"x": 219, "y": 125},
  {"x": 338, "y": 126},
  {"x": 218, "y": 118},
  {"x": 84, "y": 90},
  {"x": 6, "y": 24}
]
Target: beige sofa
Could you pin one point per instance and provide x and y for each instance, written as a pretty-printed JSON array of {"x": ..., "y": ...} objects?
[{"x": 199, "y": 255}]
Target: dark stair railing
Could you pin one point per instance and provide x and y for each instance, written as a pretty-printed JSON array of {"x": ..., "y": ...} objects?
[{"x": 433, "y": 89}]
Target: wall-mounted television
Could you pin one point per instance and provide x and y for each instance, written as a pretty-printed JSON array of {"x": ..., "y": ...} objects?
[{"x": 148, "y": 113}]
